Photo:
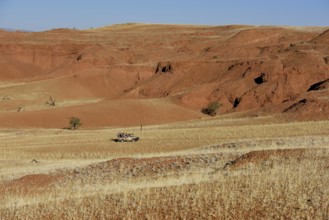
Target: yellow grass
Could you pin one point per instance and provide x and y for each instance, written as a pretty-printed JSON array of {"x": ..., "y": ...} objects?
[{"x": 192, "y": 185}]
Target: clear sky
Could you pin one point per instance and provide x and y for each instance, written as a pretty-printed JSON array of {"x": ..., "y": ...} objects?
[{"x": 36, "y": 15}]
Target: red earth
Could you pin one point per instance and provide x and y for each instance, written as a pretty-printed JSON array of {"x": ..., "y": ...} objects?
[{"x": 133, "y": 74}]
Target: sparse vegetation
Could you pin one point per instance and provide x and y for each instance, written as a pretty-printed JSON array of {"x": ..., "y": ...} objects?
[
  {"x": 75, "y": 123},
  {"x": 211, "y": 109},
  {"x": 20, "y": 108},
  {"x": 276, "y": 170},
  {"x": 51, "y": 101},
  {"x": 6, "y": 97},
  {"x": 268, "y": 162},
  {"x": 207, "y": 49}
]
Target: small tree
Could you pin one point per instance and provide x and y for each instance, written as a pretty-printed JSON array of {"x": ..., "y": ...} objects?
[
  {"x": 74, "y": 123},
  {"x": 211, "y": 109}
]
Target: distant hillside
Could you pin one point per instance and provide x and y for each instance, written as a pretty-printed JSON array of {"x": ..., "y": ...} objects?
[
  {"x": 13, "y": 30},
  {"x": 165, "y": 72}
]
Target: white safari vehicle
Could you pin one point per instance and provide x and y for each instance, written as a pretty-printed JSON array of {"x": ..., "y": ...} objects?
[{"x": 124, "y": 137}]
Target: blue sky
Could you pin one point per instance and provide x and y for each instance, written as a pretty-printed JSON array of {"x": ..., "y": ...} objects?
[{"x": 37, "y": 15}]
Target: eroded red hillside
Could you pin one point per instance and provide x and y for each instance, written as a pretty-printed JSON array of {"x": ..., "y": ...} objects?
[{"x": 135, "y": 73}]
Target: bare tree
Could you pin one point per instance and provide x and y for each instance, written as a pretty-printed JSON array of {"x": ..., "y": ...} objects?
[{"x": 51, "y": 101}]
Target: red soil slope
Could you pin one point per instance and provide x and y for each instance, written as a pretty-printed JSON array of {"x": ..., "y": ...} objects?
[{"x": 135, "y": 73}]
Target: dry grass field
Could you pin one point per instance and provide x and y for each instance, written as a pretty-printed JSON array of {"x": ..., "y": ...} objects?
[{"x": 211, "y": 168}]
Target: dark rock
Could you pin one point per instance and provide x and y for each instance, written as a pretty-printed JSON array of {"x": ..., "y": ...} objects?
[
  {"x": 164, "y": 68},
  {"x": 264, "y": 77},
  {"x": 319, "y": 85}
]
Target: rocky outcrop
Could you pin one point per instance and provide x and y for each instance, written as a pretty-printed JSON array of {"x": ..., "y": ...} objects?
[
  {"x": 319, "y": 85},
  {"x": 296, "y": 106},
  {"x": 164, "y": 68},
  {"x": 264, "y": 77}
]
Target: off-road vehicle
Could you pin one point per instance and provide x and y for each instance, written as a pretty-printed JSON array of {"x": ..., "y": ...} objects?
[{"x": 124, "y": 137}]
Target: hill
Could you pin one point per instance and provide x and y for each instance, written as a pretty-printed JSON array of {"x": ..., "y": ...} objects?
[{"x": 135, "y": 74}]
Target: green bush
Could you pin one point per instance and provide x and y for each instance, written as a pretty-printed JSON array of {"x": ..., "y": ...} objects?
[
  {"x": 74, "y": 123},
  {"x": 211, "y": 109}
]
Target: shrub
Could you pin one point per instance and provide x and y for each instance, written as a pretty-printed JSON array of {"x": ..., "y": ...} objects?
[
  {"x": 211, "y": 109},
  {"x": 74, "y": 123}
]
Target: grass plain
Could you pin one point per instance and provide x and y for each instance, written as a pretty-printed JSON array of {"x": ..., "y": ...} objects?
[{"x": 211, "y": 168}]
